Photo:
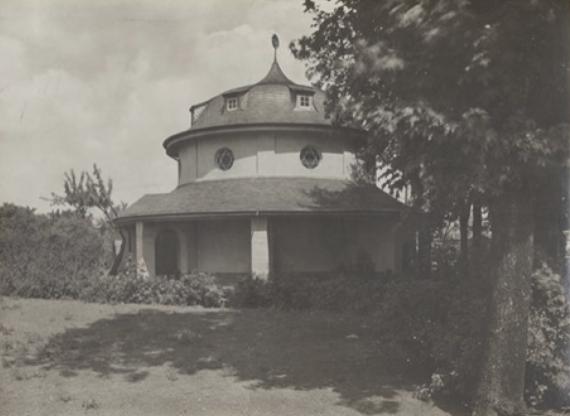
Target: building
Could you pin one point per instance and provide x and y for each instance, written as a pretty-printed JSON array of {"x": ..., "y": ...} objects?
[{"x": 264, "y": 186}]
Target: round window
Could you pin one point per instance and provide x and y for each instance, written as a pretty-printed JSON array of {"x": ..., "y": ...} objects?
[
  {"x": 224, "y": 158},
  {"x": 310, "y": 157}
]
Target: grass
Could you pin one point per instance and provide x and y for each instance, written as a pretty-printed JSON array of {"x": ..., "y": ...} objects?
[{"x": 72, "y": 358}]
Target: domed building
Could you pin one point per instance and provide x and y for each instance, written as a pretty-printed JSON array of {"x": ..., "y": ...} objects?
[{"x": 264, "y": 186}]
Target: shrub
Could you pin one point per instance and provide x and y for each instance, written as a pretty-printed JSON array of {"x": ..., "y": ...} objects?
[
  {"x": 454, "y": 337},
  {"x": 251, "y": 292},
  {"x": 454, "y": 343},
  {"x": 127, "y": 287},
  {"x": 333, "y": 292},
  {"x": 47, "y": 257},
  {"x": 548, "y": 369}
]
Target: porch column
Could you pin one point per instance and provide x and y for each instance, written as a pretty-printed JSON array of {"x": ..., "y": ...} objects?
[
  {"x": 142, "y": 270},
  {"x": 183, "y": 250},
  {"x": 259, "y": 247}
]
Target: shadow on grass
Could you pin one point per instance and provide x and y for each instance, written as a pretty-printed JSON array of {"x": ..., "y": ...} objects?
[{"x": 271, "y": 349}]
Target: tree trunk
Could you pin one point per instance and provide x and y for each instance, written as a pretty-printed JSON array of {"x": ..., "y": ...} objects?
[
  {"x": 118, "y": 257},
  {"x": 501, "y": 386},
  {"x": 424, "y": 249},
  {"x": 477, "y": 248},
  {"x": 464, "y": 238}
]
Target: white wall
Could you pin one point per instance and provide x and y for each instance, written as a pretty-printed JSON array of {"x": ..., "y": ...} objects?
[
  {"x": 262, "y": 154},
  {"x": 149, "y": 235},
  {"x": 188, "y": 163},
  {"x": 216, "y": 246}
]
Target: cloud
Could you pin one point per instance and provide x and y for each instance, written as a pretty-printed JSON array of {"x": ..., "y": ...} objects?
[{"x": 108, "y": 81}]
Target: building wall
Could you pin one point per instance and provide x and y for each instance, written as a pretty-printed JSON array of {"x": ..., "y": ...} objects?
[
  {"x": 317, "y": 244},
  {"x": 373, "y": 239},
  {"x": 149, "y": 235},
  {"x": 297, "y": 244},
  {"x": 223, "y": 246},
  {"x": 266, "y": 154},
  {"x": 301, "y": 244},
  {"x": 220, "y": 246}
]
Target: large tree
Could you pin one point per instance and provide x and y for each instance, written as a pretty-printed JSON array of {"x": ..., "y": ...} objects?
[{"x": 465, "y": 101}]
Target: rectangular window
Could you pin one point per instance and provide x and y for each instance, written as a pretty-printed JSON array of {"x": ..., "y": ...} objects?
[
  {"x": 232, "y": 104},
  {"x": 303, "y": 101}
]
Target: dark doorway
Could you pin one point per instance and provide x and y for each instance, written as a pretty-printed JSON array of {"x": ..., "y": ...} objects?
[{"x": 166, "y": 253}]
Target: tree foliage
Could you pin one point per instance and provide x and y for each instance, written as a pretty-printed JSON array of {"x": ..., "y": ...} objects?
[
  {"x": 463, "y": 100},
  {"x": 457, "y": 95},
  {"x": 89, "y": 191},
  {"x": 47, "y": 256}
]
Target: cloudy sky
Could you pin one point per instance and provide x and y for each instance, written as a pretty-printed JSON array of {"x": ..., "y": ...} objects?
[{"x": 105, "y": 82}]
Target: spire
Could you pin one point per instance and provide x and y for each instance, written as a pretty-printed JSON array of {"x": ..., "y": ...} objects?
[
  {"x": 275, "y": 43},
  {"x": 275, "y": 74}
]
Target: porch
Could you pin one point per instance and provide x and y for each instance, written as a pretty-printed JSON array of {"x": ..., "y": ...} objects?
[{"x": 260, "y": 245}]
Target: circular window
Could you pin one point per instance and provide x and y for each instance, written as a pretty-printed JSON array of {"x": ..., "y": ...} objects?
[
  {"x": 224, "y": 158},
  {"x": 310, "y": 157}
]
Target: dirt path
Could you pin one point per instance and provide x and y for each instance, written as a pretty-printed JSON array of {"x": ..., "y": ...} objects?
[{"x": 72, "y": 358}]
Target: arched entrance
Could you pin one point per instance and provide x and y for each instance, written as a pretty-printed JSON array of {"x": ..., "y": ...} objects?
[{"x": 166, "y": 253}]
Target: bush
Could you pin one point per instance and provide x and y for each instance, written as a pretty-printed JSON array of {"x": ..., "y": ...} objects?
[
  {"x": 65, "y": 256},
  {"x": 47, "y": 257},
  {"x": 452, "y": 333},
  {"x": 455, "y": 342},
  {"x": 548, "y": 369},
  {"x": 127, "y": 287},
  {"x": 251, "y": 292},
  {"x": 337, "y": 292}
]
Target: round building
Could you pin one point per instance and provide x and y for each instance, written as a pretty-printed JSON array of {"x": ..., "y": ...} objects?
[{"x": 265, "y": 186}]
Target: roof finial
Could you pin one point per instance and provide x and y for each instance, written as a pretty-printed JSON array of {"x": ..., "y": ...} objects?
[{"x": 275, "y": 43}]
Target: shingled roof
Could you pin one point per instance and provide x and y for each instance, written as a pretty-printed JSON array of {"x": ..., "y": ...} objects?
[
  {"x": 271, "y": 100},
  {"x": 252, "y": 196}
]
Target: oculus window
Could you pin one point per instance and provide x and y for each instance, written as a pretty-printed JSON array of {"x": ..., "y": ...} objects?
[
  {"x": 224, "y": 158},
  {"x": 310, "y": 157}
]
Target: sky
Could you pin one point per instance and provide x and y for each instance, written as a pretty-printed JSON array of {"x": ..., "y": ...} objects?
[{"x": 105, "y": 82}]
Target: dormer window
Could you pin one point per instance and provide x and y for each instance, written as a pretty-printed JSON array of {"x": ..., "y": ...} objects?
[
  {"x": 232, "y": 103},
  {"x": 304, "y": 101}
]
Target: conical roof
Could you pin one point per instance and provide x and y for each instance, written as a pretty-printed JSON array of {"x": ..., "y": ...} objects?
[
  {"x": 273, "y": 99},
  {"x": 275, "y": 76}
]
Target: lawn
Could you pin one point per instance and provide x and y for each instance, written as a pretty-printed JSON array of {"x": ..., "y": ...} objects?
[{"x": 73, "y": 358}]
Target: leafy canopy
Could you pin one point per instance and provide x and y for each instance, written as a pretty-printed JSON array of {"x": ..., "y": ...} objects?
[{"x": 458, "y": 96}]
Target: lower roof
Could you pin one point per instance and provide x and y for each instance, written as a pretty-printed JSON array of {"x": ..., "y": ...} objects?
[{"x": 268, "y": 196}]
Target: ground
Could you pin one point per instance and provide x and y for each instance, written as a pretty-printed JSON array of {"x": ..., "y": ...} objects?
[{"x": 74, "y": 358}]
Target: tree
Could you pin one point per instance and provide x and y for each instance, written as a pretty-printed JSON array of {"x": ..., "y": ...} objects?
[
  {"x": 90, "y": 191},
  {"x": 47, "y": 256},
  {"x": 461, "y": 98}
]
